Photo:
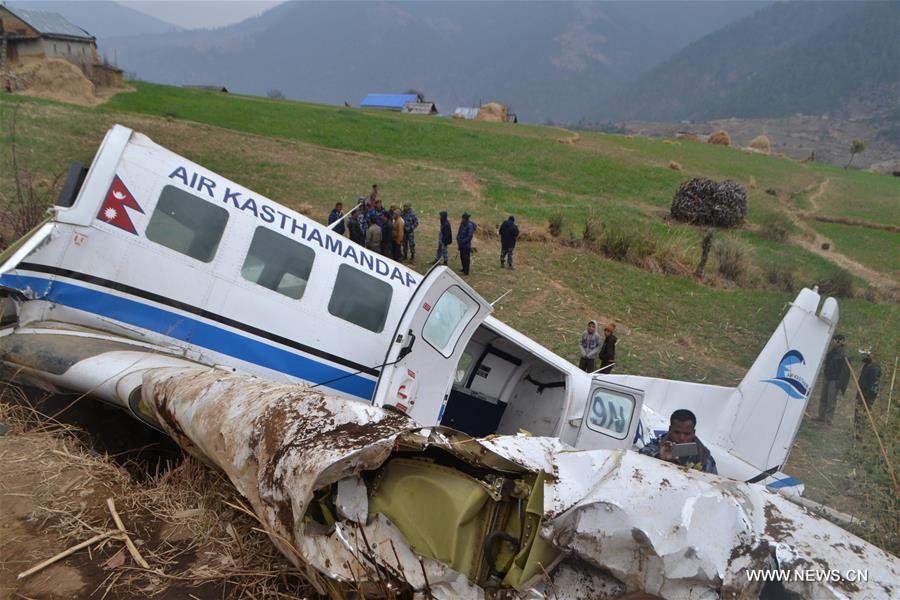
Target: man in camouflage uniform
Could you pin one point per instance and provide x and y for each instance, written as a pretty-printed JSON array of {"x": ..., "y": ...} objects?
[{"x": 410, "y": 223}]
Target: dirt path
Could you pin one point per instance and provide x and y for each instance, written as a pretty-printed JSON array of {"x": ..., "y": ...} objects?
[{"x": 816, "y": 243}]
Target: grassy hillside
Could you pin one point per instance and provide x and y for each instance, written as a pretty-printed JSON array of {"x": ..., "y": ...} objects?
[{"x": 671, "y": 325}]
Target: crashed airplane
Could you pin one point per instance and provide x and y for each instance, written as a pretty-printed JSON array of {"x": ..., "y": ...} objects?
[{"x": 151, "y": 265}]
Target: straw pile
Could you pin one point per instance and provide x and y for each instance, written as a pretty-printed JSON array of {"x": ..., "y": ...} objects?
[
  {"x": 719, "y": 138},
  {"x": 56, "y": 79},
  {"x": 492, "y": 111},
  {"x": 761, "y": 144}
]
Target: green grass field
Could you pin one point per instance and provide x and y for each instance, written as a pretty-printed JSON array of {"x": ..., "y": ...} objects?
[
  {"x": 308, "y": 157},
  {"x": 875, "y": 248}
]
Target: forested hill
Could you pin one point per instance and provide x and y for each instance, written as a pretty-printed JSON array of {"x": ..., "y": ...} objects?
[
  {"x": 809, "y": 57},
  {"x": 549, "y": 60}
]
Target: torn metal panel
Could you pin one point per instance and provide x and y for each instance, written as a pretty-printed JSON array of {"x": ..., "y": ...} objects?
[
  {"x": 362, "y": 495},
  {"x": 679, "y": 533},
  {"x": 280, "y": 443}
]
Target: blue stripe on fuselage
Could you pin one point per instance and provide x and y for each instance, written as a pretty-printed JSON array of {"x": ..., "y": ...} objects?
[
  {"x": 191, "y": 331},
  {"x": 786, "y": 482}
]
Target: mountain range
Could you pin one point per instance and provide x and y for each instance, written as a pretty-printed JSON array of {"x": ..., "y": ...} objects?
[
  {"x": 792, "y": 57},
  {"x": 559, "y": 61}
]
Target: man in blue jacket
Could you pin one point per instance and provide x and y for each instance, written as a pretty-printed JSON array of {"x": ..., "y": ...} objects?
[
  {"x": 337, "y": 213},
  {"x": 464, "y": 236},
  {"x": 509, "y": 231},
  {"x": 445, "y": 238}
]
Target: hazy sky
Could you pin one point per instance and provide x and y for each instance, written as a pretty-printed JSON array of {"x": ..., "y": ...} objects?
[{"x": 192, "y": 14}]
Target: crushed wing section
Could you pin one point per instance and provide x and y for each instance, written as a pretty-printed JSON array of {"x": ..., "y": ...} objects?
[{"x": 357, "y": 496}]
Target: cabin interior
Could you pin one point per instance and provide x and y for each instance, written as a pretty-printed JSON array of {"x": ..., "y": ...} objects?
[{"x": 500, "y": 388}]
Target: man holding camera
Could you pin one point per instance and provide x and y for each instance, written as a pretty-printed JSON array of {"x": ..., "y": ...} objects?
[{"x": 680, "y": 444}]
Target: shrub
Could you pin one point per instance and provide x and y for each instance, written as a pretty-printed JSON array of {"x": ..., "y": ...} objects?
[
  {"x": 556, "y": 223},
  {"x": 593, "y": 229},
  {"x": 626, "y": 242},
  {"x": 781, "y": 277},
  {"x": 732, "y": 260},
  {"x": 840, "y": 284},
  {"x": 776, "y": 227},
  {"x": 772, "y": 192}
]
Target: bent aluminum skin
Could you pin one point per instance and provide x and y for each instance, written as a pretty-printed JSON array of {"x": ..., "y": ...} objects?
[{"x": 619, "y": 521}]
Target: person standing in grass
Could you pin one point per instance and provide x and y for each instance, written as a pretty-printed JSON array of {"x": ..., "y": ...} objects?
[
  {"x": 590, "y": 347},
  {"x": 398, "y": 234},
  {"x": 464, "y": 236},
  {"x": 357, "y": 223},
  {"x": 373, "y": 235},
  {"x": 509, "y": 232},
  {"x": 607, "y": 354},
  {"x": 336, "y": 214},
  {"x": 445, "y": 238},
  {"x": 410, "y": 223},
  {"x": 869, "y": 377},
  {"x": 835, "y": 364}
]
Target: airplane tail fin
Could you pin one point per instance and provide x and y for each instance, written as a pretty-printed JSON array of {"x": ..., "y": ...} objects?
[{"x": 768, "y": 404}]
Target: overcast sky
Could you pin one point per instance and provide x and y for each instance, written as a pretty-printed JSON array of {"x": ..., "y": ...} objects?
[{"x": 192, "y": 14}]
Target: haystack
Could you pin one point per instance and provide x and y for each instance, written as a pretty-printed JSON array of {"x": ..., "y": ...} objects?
[
  {"x": 720, "y": 138},
  {"x": 492, "y": 111},
  {"x": 761, "y": 144},
  {"x": 707, "y": 202},
  {"x": 675, "y": 166},
  {"x": 56, "y": 79}
]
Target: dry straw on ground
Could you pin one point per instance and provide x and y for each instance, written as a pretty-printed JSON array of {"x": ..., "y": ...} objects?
[
  {"x": 719, "y": 138},
  {"x": 492, "y": 111},
  {"x": 183, "y": 519},
  {"x": 761, "y": 144},
  {"x": 56, "y": 79}
]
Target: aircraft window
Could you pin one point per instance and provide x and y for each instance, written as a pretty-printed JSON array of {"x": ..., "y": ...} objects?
[
  {"x": 610, "y": 413},
  {"x": 360, "y": 298},
  {"x": 462, "y": 368},
  {"x": 278, "y": 263},
  {"x": 187, "y": 224},
  {"x": 447, "y": 320}
]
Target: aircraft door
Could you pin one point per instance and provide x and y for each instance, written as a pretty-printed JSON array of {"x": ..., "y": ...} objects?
[
  {"x": 611, "y": 416},
  {"x": 430, "y": 338}
]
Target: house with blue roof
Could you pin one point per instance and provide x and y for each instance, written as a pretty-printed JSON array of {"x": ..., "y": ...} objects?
[{"x": 390, "y": 101}]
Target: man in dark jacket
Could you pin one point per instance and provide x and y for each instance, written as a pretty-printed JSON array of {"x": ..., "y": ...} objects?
[
  {"x": 445, "y": 238},
  {"x": 410, "y": 224},
  {"x": 509, "y": 232},
  {"x": 682, "y": 430},
  {"x": 357, "y": 224},
  {"x": 869, "y": 377},
  {"x": 336, "y": 214},
  {"x": 464, "y": 236},
  {"x": 607, "y": 353},
  {"x": 835, "y": 366},
  {"x": 386, "y": 221}
]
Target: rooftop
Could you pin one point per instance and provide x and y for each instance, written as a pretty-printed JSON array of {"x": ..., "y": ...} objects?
[{"x": 50, "y": 23}]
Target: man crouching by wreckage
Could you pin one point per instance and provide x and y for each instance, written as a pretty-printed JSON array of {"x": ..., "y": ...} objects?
[{"x": 680, "y": 444}]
